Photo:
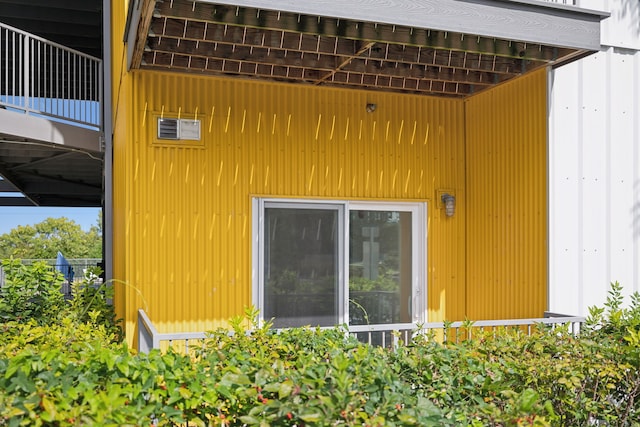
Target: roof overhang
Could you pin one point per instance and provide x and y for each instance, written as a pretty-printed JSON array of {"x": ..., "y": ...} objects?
[{"x": 437, "y": 47}]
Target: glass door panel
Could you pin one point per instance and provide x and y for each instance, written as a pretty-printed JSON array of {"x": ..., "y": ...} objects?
[
  {"x": 380, "y": 267},
  {"x": 301, "y": 267}
]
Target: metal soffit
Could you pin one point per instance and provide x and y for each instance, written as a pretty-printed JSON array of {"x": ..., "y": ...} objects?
[
  {"x": 216, "y": 39},
  {"x": 48, "y": 175}
]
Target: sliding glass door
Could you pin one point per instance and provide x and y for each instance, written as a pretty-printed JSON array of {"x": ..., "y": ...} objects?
[{"x": 339, "y": 262}]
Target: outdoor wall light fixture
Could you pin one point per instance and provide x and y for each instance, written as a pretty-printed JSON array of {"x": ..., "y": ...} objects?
[
  {"x": 371, "y": 107},
  {"x": 449, "y": 203}
]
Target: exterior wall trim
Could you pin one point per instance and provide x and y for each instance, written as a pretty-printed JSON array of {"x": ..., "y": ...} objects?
[{"x": 107, "y": 207}]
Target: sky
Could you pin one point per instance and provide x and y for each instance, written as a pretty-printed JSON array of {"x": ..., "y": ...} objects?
[{"x": 11, "y": 217}]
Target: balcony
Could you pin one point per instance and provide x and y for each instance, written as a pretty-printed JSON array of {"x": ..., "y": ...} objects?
[
  {"x": 447, "y": 48},
  {"x": 51, "y": 139}
]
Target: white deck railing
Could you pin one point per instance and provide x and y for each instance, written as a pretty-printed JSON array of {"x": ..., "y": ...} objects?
[
  {"x": 44, "y": 78},
  {"x": 149, "y": 338},
  {"x": 382, "y": 335}
]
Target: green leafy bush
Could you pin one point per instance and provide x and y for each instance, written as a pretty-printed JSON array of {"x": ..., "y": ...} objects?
[
  {"x": 71, "y": 373},
  {"x": 32, "y": 293},
  {"x": 91, "y": 303}
]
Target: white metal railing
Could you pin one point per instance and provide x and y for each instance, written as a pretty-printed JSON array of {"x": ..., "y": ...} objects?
[
  {"x": 565, "y": 2},
  {"x": 381, "y": 335},
  {"x": 149, "y": 338},
  {"x": 41, "y": 77}
]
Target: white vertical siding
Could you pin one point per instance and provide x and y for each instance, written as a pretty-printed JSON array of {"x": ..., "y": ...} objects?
[
  {"x": 594, "y": 168},
  {"x": 622, "y": 29}
]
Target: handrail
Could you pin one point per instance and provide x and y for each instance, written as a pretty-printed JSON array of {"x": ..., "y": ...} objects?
[
  {"x": 42, "y": 39},
  {"x": 149, "y": 338},
  {"x": 44, "y": 78},
  {"x": 575, "y": 323},
  {"x": 147, "y": 333}
]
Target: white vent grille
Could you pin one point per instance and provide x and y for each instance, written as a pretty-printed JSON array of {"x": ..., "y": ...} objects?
[
  {"x": 190, "y": 129},
  {"x": 175, "y": 129}
]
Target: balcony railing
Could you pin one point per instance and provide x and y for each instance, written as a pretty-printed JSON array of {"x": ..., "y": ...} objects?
[
  {"x": 381, "y": 335},
  {"x": 44, "y": 78}
]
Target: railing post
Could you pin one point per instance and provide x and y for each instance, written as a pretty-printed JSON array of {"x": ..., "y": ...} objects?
[
  {"x": 146, "y": 340},
  {"x": 26, "y": 63},
  {"x": 101, "y": 96}
]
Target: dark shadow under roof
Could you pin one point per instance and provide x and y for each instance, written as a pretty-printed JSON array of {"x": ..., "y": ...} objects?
[{"x": 72, "y": 23}]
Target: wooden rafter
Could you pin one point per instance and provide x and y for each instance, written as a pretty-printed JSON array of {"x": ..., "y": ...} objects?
[{"x": 147, "y": 8}]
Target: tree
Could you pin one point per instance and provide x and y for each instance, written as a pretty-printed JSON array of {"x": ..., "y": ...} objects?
[
  {"x": 95, "y": 239},
  {"x": 45, "y": 239}
]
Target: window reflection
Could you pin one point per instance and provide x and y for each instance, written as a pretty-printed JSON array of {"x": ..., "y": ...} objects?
[
  {"x": 301, "y": 266},
  {"x": 379, "y": 267}
]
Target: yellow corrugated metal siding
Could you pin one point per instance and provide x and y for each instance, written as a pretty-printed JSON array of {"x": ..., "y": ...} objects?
[
  {"x": 185, "y": 250},
  {"x": 182, "y": 212},
  {"x": 506, "y": 200}
]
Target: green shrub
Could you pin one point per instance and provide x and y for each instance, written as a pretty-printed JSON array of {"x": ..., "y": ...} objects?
[
  {"x": 614, "y": 334},
  {"x": 32, "y": 294},
  {"x": 310, "y": 377},
  {"x": 71, "y": 373},
  {"x": 91, "y": 302}
]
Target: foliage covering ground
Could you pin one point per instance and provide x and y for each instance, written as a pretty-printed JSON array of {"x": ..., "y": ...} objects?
[{"x": 71, "y": 370}]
